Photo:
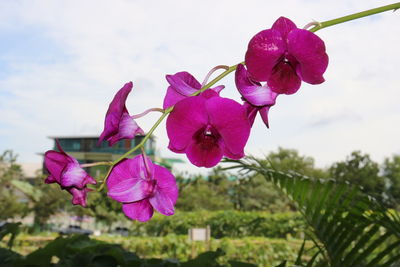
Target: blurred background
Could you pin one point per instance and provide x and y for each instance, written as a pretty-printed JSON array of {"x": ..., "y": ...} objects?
[{"x": 61, "y": 62}]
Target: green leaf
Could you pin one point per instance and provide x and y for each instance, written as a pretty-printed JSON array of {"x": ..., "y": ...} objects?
[{"x": 348, "y": 227}]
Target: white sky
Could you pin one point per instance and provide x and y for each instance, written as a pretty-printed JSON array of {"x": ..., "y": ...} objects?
[{"x": 61, "y": 62}]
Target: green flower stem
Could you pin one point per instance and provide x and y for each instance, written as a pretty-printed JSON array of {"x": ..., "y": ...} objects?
[
  {"x": 165, "y": 114},
  {"x": 318, "y": 26},
  {"x": 366, "y": 13},
  {"x": 85, "y": 165},
  {"x": 217, "y": 79}
]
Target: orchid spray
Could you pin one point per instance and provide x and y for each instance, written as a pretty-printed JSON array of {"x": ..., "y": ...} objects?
[{"x": 200, "y": 123}]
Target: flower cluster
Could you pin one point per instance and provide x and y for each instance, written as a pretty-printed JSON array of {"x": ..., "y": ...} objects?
[{"x": 201, "y": 124}]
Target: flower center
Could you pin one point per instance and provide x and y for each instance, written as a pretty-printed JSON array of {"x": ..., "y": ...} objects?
[
  {"x": 207, "y": 137},
  {"x": 150, "y": 187}
]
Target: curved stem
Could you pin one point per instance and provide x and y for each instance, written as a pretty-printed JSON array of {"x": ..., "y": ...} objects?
[
  {"x": 146, "y": 112},
  {"x": 85, "y": 165},
  {"x": 358, "y": 15},
  {"x": 212, "y": 71},
  {"x": 216, "y": 79}
]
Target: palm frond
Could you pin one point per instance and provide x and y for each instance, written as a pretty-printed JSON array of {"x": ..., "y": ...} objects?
[{"x": 347, "y": 227}]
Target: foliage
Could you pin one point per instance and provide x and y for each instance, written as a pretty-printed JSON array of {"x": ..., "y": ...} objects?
[
  {"x": 104, "y": 209},
  {"x": 359, "y": 169},
  {"x": 289, "y": 160},
  {"x": 199, "y": 193},
  {"x": 224, "y": 224},
  {"x": 347, "y": 227},
  {"x": 260, "y": 251},
  {"x": 10, "y": 206},
  {"x": 45, "y": 200},
  {"x": 391, "y": 171}
]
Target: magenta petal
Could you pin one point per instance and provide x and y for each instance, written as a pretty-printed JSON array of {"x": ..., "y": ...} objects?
[
  {"x": 130, "y": 168},
  {"x": 166, "y": 183},
  {"x": 230, "y": 120},
  {"x": 251, "y": 112},
  {"x": 115, "y": 112},
  {"x": 55, "y": 163},
  {"x": 128, "y": 128},
  {"x": 141, "y": 210},
  {"x": 284, "y": 26},
  {"x": 284, "y": 79},
  {"x": 253, "y": 92},
  {"x": 204, "y": 156},
  {"x": 131, "y": 190},
  {"x": 264, "y": 115},
  {"x": 188, "y": 116},
  {"x": 184, "y": 83},
  {"x": 50, "y": 179},
  {"x": 162, "y": 203},
  {"x": 309, "y": 51},
  {"x": 79, "y": 196},
  {"x": 218, "y": 88},
  {"x": 120, "y": 172},
  {"x": 139, "y": 168},
  {"x": 172, "y": 97},
  {"x": 73, "y": 175},
  {"x": 263, "y": 53}
]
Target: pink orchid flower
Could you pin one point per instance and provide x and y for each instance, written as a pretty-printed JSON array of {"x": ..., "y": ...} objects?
[
  {"x": 142, "y": 186},
  {"x": 285, "y": 55},
  {"x": 118, "y": 123},
  {"x": 182, "y": 85},
  {"x": 66, "y": 171},
  {"x": 258, "y": 98},
  {"x": 208, "y": 127}
]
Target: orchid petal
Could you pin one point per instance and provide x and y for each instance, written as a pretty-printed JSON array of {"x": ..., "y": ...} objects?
[
  {"x": 188, "y": 116},
  {"x": 130, "y": 168},
  {"x": 50, "y": 179},
  {"x": 166, "y": 183},
  {"x": 114, "y": 114},
  {"x": 172, "y": 97},
  {"x": 263, "y": 53},
  {"x": 284, "y": 79},
  {"x": 251, "y": 112},
  {"x": 264, "y": 115},
  {"x": 218, "y": 88},
  {"x": 284, "y": 26},
  {"x": 230, "y": 120},
  {"x": 309, "y": 51},
  {"x": 253, "y": 92},
  {"x": 141, "y": 210},
  {"x": 131, "y": 190},
  {"x": 79, "y": 195},
  {"x": 73, "y": 175},
  {"x": 55, "y": 163},
  {"x": 183, "y": 83},
  {"x": 162, "y": 203},
  {"x": 204, "y": 156},
  {"x": 128, "y": 129}
]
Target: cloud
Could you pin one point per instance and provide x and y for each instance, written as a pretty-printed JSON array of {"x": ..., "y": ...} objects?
[{"x": 73, "y": 56}]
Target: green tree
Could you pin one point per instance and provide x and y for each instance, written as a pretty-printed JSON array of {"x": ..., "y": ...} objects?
[
  {"x": 204, "y": 193},
  {"x": 288, "y": 160},
  {"x": 104, "y": 209},
  {"x": 10, "y": 203},
  {"x": 391, "y": 171},
  {"x": 359, "y": 169},
  {"x": 255, "y": 193}
]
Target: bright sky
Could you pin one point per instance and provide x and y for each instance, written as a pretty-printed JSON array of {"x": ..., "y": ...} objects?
[{"x": 61, "y": 62}]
